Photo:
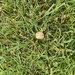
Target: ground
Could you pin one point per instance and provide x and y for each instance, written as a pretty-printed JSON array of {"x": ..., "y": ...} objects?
[{"x": 21, "y": 53}]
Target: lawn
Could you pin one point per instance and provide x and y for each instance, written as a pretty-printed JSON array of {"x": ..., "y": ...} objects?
[{"x": 21, "y": 53}]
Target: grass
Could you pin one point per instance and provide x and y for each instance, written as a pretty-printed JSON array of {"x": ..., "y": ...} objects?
[{"x": 21, "y": 53}]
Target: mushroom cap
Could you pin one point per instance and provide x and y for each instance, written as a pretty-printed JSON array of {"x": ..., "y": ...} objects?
[{"x": 39, "y": 35}]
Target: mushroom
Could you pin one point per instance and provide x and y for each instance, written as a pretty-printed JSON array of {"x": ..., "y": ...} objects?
[{"x": 39, "y": 35}]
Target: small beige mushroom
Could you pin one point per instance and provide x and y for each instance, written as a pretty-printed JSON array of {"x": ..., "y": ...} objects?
[
  {"x": 39, "y": 35},
  {"x": 12, "y": 52}
]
